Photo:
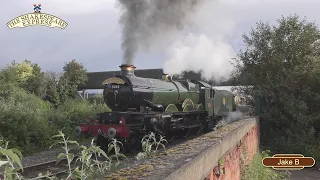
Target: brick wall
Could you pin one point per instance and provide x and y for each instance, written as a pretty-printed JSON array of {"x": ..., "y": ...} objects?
[{"x": 228, "y": 167}]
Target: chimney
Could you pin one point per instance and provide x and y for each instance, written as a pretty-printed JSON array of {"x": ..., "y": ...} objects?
[{"x": 127, "y": 69}]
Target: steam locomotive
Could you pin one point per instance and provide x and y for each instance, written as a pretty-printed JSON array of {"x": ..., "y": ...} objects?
[{"x": 140, "y": 105}]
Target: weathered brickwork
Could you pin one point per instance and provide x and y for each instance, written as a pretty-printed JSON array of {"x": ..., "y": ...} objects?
[{"x": 228, "y": 167}]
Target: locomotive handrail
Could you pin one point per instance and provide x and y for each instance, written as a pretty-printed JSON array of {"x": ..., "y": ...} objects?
[{"x": 148, "y": 87}]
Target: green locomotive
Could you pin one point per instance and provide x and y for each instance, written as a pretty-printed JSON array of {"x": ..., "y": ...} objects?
[{"x": 165, "y": 106}]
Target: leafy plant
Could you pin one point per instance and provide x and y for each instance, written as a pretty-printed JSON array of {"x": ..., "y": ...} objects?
[
  {"x": 150, "y": 145},
  {"x": 114, "y": 144},
  {"x": 65, "y": 142},
  {"x": 11, "y": 161},
  {"x": 88, "y": 164}
]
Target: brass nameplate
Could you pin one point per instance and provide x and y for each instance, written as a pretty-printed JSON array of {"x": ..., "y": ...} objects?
[{"x": 113, "y": 80}]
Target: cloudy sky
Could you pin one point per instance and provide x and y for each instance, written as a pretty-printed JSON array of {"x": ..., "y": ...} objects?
[{"x": 93, "y": 35}]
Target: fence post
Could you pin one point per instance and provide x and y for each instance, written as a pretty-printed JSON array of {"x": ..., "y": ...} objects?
[{"x": 257, "y": 106}]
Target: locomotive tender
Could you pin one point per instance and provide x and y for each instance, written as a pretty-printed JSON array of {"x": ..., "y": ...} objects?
[{"x": 140, "y": 105}]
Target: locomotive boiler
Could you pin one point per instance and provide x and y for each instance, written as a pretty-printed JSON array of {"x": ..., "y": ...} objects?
[
  {"x": 129, "y": 92},
  {"x": 140, "y": 105}
]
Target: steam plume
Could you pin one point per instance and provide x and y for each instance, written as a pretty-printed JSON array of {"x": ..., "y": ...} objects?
[
  {"x": 231, "y": 117},
  {"x": 149, "y": 22},
  {"x": 206, "y": 49}
]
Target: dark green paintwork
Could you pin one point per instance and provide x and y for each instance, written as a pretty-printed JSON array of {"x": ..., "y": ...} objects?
[
  {"x": 188, "y": 108},
  {"x": 208, "y": 101},
  {"x": 171, "y": 108},
  {"x": 166, "y": 93},
  {"x": 199, "y": 107},
  {"x": 219, "y": 108},
  {"x": 188, "y": 90},
  {"x": 187, "y": 102}
]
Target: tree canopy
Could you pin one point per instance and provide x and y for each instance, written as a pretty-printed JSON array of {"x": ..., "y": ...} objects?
[
  {"x": 53, "y": 87},
  {"x": 281, "y": 63}
]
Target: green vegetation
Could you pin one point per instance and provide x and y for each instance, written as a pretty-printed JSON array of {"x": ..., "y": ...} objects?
[
  {"x": 281, "y": 64},
  {"x": 35, "y": 104},
  {"x": 255, "y": 169},
  {"x": 91, "y": 165},
  {"x": 150, "y": 145}
]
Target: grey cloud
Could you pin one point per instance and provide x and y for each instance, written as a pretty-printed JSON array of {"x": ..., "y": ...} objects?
[
  {"x": 93, "y": 35},
  {"x": 91, "y": 38}
]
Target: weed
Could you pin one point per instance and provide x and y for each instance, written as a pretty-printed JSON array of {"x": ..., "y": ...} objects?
[
  {"x": 114, "y": 145},
  {"x": 11, "y": 158},
  {"x": 90, "y": 166},
  {"x": 65, "y": 142},
  {"x": 255, "y": 170},
  {"x": 149, "y": 142}
]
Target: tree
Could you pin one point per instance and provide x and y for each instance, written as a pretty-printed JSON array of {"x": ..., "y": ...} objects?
[
  {"x": 51, "y": 87},
  {"x": 74, "y": 75},
  {"x": 17, "y": 73},
  {"x": 281, "y": 64},
  {"x": 25, "y": 75},
  {"x": 36, "y": 84}
]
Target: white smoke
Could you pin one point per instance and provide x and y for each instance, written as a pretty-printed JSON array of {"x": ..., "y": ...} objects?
[
  {"x": 234, "y": 116},
  {"x": 231, "y": 117},
  {"x": 197, "y": 35},
  {"x": 207, "y": 51},
  {"x": 208, "y": 48},
  {"x": 209, "y": 55}
]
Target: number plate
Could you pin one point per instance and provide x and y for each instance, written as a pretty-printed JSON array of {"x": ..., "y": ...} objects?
[{"x": 115, "y": 86}]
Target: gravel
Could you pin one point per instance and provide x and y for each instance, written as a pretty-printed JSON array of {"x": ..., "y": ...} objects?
[
  {"x": 41, "y": 157},
  {"x": 45, "y": 156}
]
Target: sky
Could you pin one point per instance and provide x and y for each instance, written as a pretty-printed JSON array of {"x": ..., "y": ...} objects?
[{"x": 93, "y": 34}]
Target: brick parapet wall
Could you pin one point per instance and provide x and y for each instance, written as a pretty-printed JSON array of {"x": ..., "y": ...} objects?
[
  {"x": 229, "y": 166},
  {"x": 197, "y": 158}
]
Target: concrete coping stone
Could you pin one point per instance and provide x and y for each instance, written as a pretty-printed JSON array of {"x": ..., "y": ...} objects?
[{"x": 193, "y": 159}]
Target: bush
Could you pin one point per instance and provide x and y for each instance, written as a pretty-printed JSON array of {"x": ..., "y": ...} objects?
[
  {"x": 96, "y": 99},
  {"x": 34, "y": 104},
  {"x": 24, "y": 119},
  {"x": 28, "y": 122},
  {"x": 73, "y": 112}
]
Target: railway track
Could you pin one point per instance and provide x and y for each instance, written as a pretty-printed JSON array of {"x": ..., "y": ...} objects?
[
  {"x": 50, "y": 166},
  {"x": 61, "y": 169}
]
